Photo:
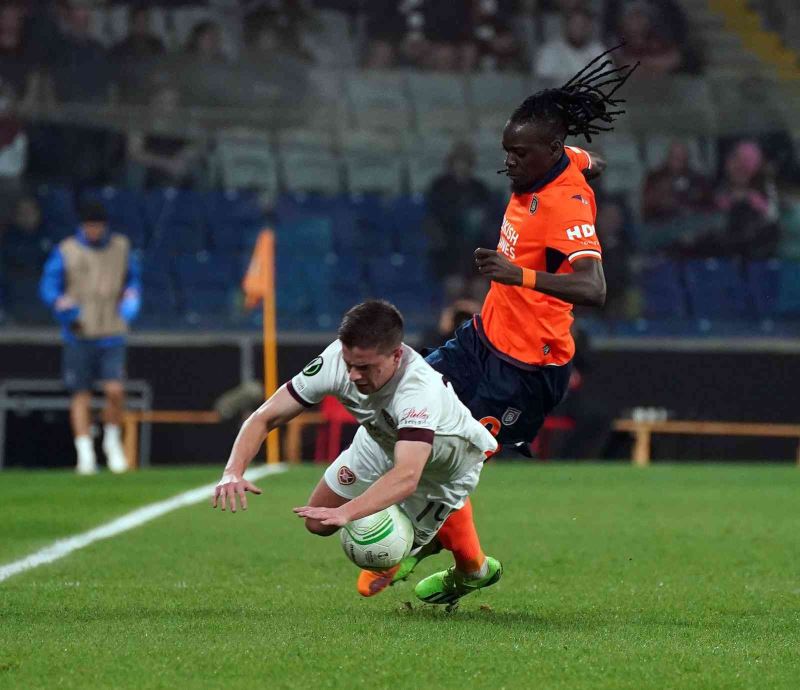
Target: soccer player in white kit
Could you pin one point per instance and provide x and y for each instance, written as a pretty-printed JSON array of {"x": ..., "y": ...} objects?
[{"x": 417, "y": 445}]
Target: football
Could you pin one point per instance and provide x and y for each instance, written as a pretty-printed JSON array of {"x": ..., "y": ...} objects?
[{"x": 378, "y": 541}]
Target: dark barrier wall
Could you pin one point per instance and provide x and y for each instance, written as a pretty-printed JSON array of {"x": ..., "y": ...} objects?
[{"x": 756, "y": 386}]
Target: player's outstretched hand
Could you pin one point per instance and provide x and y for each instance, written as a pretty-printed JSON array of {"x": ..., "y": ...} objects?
[
  {"x": 327, "y": 516},
  {"x": 495, "y": 266},
  {"x": 229, "y": 488}
]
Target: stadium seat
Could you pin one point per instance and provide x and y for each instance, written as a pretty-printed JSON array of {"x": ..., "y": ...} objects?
[
  {"x": 714, "y": 288},
  {"x": 177, "y": 220},
  {"x": 372, "y": 163},
  {"x": 330, "y": 41},
  {"x": 407, "y": 216},
  {"x": 247, "y": 162},
  {"x": 439, "y": 101},
  {"x": 789, "y": 302},
  {"x": 310, "y": 170},
  {"x": 234, "y": 219},
  {"x": 125, "y": 209},
  {"x": 426, "y": 160},
  {"x": 59, "y": 215},
  {"x": 208, "y": 287},
  {"x": 625, "y": 171},
  {"x": 378, "y": 100},
  {"x": 493, "y": 96},
  {"x": 764, "y": 286},
  {"x": 662, "y": 288}
]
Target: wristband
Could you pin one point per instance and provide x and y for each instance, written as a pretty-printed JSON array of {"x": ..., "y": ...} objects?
[{"x": 528, "y": 278}]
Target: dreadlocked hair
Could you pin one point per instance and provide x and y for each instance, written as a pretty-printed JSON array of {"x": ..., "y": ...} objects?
[{"x": 584, "y": 103}]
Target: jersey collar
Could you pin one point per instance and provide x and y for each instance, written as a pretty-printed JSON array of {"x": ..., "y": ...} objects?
[{"x": 559, "y": 167}]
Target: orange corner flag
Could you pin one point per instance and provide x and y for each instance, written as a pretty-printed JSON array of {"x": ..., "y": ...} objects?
[{"x": 258, "y": 271}]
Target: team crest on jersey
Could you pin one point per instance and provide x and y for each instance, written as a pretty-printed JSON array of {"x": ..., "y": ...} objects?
[
  {"x": 546, "y": 349},
  {"x": 534, "y": 204},
  {"x": 510, "y": 416},
  {"x": 581, "y": 199},
  {"x": 346, "y": 476},
  {"x": 313, "y": 367}
]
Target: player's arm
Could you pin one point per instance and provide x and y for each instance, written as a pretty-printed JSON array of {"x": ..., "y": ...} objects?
[
  {"x": 276, "y": 411},
  {"x": 393, "y": 487},
  {"x": 585, "y": 286},
  {"x": 597, "y": 164}
]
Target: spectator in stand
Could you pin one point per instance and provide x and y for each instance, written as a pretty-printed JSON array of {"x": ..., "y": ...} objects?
[
  {"x": 77, "y": 62},
  {"x": 91, "y": 282},
  {"x": 452, "y": 316},
  {"x": 15, "y": 58},
  {"x": 748, "y": 201},
  {"x": 205, "y": 42},
  {"x": 615, "y": 227},
  {"x": 646, "y": 42},
  {"x": 674, "y": 189},
  {"x": 497, "y": 46},
  {"x": 23, "y": 250},
  {"x": 13, "y": 152},
  {"x": 268, "y": 33},
  {"x": 461, "y": 217},
  {"x": 430, "y": 34},
  {"x": 141, "y": 42},
  {"x": 564, "y": 56},
  {"x": 164, "y": 156},
  {"x": 747, "y": 195}
]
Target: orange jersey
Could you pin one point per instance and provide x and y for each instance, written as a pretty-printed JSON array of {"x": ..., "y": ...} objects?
[{"x": 545, "y": 230}]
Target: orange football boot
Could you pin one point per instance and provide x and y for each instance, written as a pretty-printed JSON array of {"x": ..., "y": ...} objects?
[{"x": 372, "y": 582}]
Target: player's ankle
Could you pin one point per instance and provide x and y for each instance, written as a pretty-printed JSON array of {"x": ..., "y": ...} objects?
[{"x": 472, "y": 571}]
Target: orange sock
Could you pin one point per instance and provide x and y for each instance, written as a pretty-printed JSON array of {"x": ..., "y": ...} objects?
[{"x": 458, "y": 534}]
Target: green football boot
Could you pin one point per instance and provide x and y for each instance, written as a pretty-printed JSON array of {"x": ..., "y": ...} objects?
[
  {"x": 448, "y": 586},
  {"x": 408, "y": 564}
]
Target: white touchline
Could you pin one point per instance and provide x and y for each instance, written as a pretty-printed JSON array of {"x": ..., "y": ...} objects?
[{"x": 64, "y": 547}]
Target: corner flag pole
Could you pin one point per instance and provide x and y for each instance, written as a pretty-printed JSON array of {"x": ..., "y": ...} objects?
[{"x": 267, "y": 261}]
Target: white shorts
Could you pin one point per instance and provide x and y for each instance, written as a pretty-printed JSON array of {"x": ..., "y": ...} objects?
[{"x": 358, "y": 467}]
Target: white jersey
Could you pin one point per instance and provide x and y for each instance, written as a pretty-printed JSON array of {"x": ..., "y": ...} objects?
[{"x": 416, "y": 404}]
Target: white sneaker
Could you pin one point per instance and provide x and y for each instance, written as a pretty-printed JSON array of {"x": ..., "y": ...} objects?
[
  {"x": 112, "y": 447},
  {"x": 115, "y": 458},
  {"x": 87, "y": 461}
]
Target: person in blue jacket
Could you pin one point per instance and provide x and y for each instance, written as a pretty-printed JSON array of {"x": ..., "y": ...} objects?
[{"x": 92, "y": 283}]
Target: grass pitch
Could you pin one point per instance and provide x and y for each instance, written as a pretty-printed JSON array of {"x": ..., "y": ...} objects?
[{"x": 671, "y": 577}]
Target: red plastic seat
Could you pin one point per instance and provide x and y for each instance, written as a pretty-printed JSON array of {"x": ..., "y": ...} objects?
[{"x": 329, "y": 434}]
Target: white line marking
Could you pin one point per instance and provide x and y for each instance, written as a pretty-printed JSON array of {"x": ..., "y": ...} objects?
[{"x": 64, "y": 547}]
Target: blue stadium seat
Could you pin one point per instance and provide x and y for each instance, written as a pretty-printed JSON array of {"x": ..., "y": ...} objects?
[
  {"x": 407, "y": 217},
  {"x": 662, "y": 290},
  {"x": 206, "y": 270},
  {"x": 59, "y": 215},
  {"x": 789, "y": 300},
  {"x": 234, "y": 219},
  {"x": 764, "y": 285},
  {"x": 714, "y": 287},
  {"x": 177, "y": 220},
  {"x": 125, "y": 212}
]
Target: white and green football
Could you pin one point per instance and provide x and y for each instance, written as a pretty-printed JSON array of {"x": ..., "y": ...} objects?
[{"x": 378, "y": 541}]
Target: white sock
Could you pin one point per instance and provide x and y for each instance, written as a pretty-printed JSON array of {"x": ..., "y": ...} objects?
[
  {"x": 111, "y": 435},
  {"x": 85, "y": 450},
  {"x": 483, "y": 572}
]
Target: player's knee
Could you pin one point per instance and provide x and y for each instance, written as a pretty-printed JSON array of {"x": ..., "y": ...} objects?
[
  {"x": 115, "y": 391},
  {"x": 316, "y": 527}
]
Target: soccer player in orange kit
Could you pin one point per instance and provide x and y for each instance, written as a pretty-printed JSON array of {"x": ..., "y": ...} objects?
[{"x": 510, "y": 365}]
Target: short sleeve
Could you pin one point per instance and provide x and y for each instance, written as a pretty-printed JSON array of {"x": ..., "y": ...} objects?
[
  {"x": 417, "y": 417},
  {"x": 318, "y": 378},
  {"x": 578, "y": 156},
  {"x": 574, "y": 236}
]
